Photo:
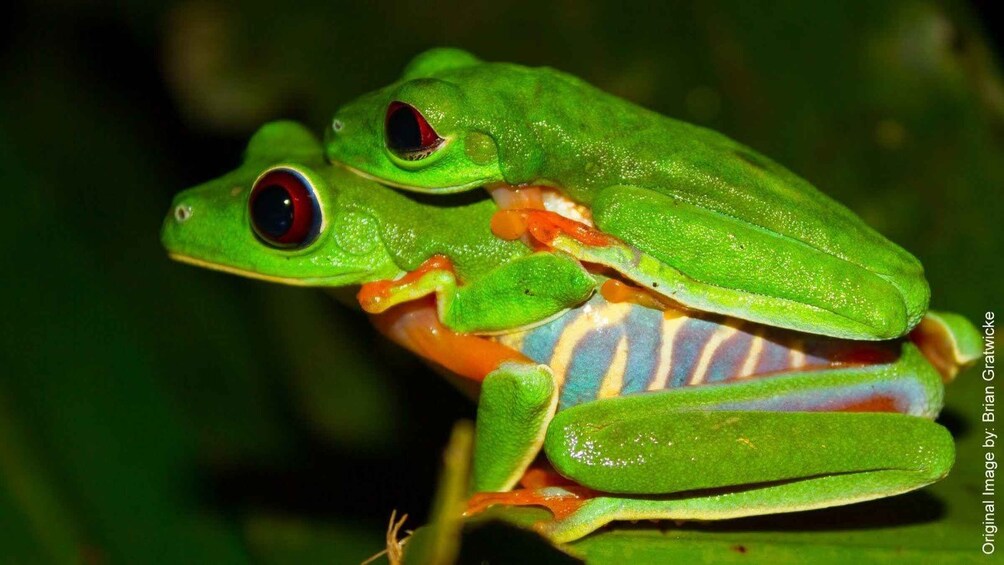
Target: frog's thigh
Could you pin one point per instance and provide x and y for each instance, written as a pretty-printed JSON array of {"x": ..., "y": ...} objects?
[
  {"x": 774, "y": 498},
  {"x": 755, "y": 430},
  {"x": 687, "y": 440},
  {"x": 641, "y": 454},
  {"x": 517, "y": 402}
]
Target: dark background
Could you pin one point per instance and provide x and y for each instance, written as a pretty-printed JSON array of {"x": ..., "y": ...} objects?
[{"x": 151, "y": 411}]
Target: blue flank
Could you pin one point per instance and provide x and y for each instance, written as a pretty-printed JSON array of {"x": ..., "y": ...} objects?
[
  {"x": 911, "y": 398},
  {"x": 590, "y": 360},
  {"x": 728, "y": 356},
  {"x": 592, "y": 355},
  {"x": 687, "y": 348},
  {"x": 644, "y": 331},
  {"x": 773, "y": 357},
  {"x": 540, "y": 342}
]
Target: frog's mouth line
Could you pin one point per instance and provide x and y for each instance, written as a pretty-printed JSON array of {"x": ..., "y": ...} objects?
[
  {"x": 411, "y": 188},
  {"x": 310, "y": 281}
]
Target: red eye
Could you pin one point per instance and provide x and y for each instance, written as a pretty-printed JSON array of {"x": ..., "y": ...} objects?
[
  {"x": 408, "y": 134},
  {"x": 284, "y": 212}
]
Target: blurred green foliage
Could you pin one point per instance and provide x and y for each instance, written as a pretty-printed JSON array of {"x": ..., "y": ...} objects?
[{"x": 151, "y": 412}]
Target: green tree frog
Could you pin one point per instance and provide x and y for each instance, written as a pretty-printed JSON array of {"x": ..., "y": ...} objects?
[
  {"x": 735, "y": 233},
  {"x": 644, "y": 408}
]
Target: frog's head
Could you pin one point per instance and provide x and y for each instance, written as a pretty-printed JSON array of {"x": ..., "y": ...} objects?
[
  {"x": 277, "y": 217},
  {"x": 441, "y": 128}
]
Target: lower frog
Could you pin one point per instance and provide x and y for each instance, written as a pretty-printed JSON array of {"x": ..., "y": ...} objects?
[{"x": 644, "y": 408}]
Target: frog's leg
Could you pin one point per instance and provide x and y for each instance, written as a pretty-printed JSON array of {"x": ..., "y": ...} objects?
[
  {"x": 551, "y": 230},
  {"x": 518, "y": 401},
  {"x": 711, "y": 453},
  {"x": 645, "y": 236},
  {"x": 518, "y": 398},
  {"x": 792, "y": 442},
  {"x": 520, "y": 292},
  {"x": 540, "y": 487}
]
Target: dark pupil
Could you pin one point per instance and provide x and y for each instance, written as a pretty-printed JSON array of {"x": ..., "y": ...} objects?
[
  {"x": 403, "y": 131},
  {"x": 272, "y": 211}
]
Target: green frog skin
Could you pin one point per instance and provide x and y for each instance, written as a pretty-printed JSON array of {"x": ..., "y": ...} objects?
[
  {"x": 737, "y": 228},
  {"x": 644, "y": 410}
]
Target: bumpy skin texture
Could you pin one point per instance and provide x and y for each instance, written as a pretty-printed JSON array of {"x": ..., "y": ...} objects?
[
  {"x": 696, "y": 200},
  {"x": 370, "y": 232}
]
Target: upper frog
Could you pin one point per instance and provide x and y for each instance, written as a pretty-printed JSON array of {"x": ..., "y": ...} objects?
[{"x": 717, "y": 211}]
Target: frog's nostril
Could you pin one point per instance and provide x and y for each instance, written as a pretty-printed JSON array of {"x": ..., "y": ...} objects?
[
  {"x": 182, "y": 212},
  {"x": 337, "y": 125}
]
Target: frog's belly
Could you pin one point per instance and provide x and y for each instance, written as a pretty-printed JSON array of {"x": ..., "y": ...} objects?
[{"x": 604, "y": 349}]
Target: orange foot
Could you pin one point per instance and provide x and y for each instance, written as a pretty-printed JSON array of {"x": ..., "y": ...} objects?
[
  {"x": 541, "y": 475},
  {"x": 545, "y": 226},
  {"x": 559, "y": 504},
  {"x": 542, "y": 487},
  {"x": 614, "y": 290}
]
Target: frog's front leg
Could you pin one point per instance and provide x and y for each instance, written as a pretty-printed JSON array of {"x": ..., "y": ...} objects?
[{"x": 526, "y": 290}]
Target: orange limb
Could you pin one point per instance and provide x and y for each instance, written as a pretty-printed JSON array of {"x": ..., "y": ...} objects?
[
  {"x": 508, "y": 224},
  {"x": 535, "y": 482},
  {"x": 614, "y": 290},
  {"x": 372, "y": 296},
  {"x": 561, "y": 504},
  {"x": 545, "y": 227},
  {"x": 543, "y": 476},
  {"x": 416, "y": 327}
]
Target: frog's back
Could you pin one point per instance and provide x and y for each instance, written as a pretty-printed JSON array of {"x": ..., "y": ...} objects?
[{"x": 709, "y": 206}]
